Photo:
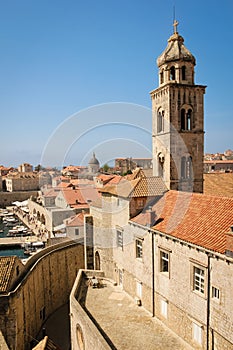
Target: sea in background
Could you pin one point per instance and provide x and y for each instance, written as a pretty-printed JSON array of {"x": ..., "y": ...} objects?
[{"x": 12, "y": 251}]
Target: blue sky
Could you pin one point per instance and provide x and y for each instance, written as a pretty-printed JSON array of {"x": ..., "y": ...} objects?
[{"x": 62, "y": 57}]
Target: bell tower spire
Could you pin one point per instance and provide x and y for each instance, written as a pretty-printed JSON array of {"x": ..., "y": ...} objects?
[
  {"x": 175, "y": 25},
  {"x": 178, "y": 118}
]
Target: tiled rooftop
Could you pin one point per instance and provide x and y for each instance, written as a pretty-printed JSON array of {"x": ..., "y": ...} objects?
[
  {"x": 79, "y": 196},
  {"x": 196, "y": 218},
  {"x": 123, "y": 189},
  {"x": 138, "y": 187},
  {"x": 150, "y": 186},
  {"x": 7, "y": 264},
  {"x": 76, "y": 221},
  {"x": 219, "y": 184}
]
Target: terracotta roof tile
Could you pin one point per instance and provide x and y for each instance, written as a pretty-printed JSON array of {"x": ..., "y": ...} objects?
[
  {"x": 135, "y": 174},
  {"x": 218, "y": 184},
  {"x": 139, "y": 187},
  {"x": 7, "y": 265},
  {"x": 77, "y": 220},
  {"x": 116, "y": 179},
  {"x": 80, "y": 196},
  {"x": 196, "y": 218},
  {"x": 150, "y": 186},
  {"x": 123, "y": 189}
]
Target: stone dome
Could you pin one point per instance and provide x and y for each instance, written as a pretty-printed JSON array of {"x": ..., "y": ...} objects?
[
  {"x": 93, "y": 160},
  {"x": 175, "y": 51}
]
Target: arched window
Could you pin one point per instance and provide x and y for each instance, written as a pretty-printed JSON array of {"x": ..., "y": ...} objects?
[
  {"x": 172, "y": 73},
  {"x": 183, "y": 167},
  {"x": 161, "y": 77},
  {"x": 189, "y": 172},
  {"x": 160, "y": 121},
  {"x": 161, "y": 160},
  {"x": 189, "y": 120},
  {"x": 186, "y": 119},
  {"x": 183, "y": 73},
  {"x": 186, "y": 168},
  {"x": 182, "y": 119}
]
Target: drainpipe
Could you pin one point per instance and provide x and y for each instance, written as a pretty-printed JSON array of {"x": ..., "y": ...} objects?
[
  {"x": 153, "y": 274},
  {"x": 208, "y": 301}
]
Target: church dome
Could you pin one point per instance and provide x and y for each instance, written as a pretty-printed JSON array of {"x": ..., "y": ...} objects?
[
  {"x": 93, "y": 160},
  {"x": 175, "y": 51}
]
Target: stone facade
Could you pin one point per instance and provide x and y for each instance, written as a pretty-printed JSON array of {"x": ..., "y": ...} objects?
[
  {"x": 23, "y": 181},
  {"x": 218, "y": 166},
  {"x": 25, "y": 168},
  {"x": 178, "y": 115},
  {"x": 112, "y": 213},
  {"x": 49, "y": 217},
  {"x": 170, "y": 295},
  {"x": 46, "y": 286},
  {"x": 129, "y": 164}
]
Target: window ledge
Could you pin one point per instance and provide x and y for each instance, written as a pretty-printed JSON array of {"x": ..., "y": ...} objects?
[
  {"x": 202, "y": 295},
  {"x": 166, "y": 274}
]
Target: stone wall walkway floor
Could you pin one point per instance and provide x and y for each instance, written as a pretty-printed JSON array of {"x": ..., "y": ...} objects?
[
  {"x": 129, "y": 327},
  {"x": 57, "y": 328}
]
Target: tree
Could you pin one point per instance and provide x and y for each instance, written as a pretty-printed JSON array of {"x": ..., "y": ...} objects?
[{"x": 106, "y": 168}]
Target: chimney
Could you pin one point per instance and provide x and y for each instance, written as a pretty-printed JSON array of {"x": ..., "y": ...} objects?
[
  {"x": 150, "y": 214},
  {"x": 229, "y": 243}
]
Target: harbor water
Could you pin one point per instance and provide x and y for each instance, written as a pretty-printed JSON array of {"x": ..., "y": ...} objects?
[{"x": 13, "y": 251}]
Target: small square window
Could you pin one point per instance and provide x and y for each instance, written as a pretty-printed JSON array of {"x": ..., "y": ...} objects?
[
  {"x": 139, "y": 248},
  {"x": 215, "y": 293},
  {"x": 76, "y": 232}
]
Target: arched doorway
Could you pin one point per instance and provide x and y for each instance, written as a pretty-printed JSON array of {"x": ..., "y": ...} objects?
[{"x": 97, "y": 261}]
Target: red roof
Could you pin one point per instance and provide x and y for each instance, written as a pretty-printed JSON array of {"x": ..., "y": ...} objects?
[
  {"x": 80, "y": 196},
  {"x": 220, "y": 161},
  {"x": 77, "y": 220},
  {"x": 196, "y": 218},
  {"x": 109, "y": 178}
]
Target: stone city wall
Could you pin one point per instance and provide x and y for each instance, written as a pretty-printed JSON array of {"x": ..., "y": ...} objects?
[
  {"x": 84, "y": 333},
  {"x": 6, "y": 198},
  {"x": 46, "y": 286}
]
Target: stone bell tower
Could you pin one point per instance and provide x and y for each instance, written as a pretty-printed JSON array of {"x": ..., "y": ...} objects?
[{"x": 177, "y": 119}]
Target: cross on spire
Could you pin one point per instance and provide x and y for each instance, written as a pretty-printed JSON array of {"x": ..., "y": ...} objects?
[{"x": 175, "y": 24}]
